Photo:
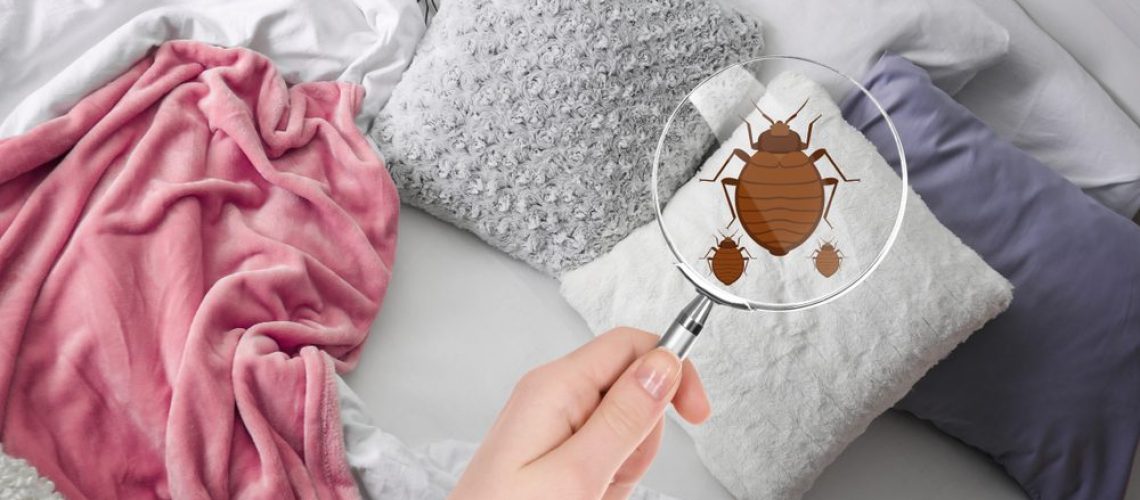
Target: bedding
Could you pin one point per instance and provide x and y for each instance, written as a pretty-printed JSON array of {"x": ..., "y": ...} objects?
[
  {"x": 429, "y": 8},
  {"x": 952, "y": 40},
  {"x": 453, "y": 297},
  {"x": 364, "y": 42},
  {"x": 277, "y": 29},
  {"x": 1041, "y": 100},
  {"x": 529, "y": 122},
  {"x": 388, "y": 468},
  {"x": 21, "y": 481},
  {"x": 571, "y": 198},
  {"x": 791, "y": 390},
  {"x": 1115, "y": 25},
  {"x": 151, "y": 291},
  {"x": 1048, "y": 388}
]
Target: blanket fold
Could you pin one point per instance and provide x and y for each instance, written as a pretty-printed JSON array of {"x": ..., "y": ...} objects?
[{"x": 186, "y": 259}]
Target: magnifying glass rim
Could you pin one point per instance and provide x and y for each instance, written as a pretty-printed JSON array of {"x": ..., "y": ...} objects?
[{"x": 718, "y": 294}]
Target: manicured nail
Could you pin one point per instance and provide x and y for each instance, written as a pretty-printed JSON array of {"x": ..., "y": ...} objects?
[{"x": 658, "y": 372}]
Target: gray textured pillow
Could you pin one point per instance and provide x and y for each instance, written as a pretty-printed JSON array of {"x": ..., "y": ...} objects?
[{"x": 532, "y": 123}]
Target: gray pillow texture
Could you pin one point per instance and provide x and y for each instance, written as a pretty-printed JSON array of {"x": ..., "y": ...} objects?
[{"x": 533, "y": 123}]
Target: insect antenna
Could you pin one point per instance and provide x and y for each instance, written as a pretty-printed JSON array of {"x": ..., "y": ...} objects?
[
  {"x": 762, "y": 113},
  {"x": 793, "y": 117}
]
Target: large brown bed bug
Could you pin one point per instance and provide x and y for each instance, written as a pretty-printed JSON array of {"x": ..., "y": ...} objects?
[
  {"x": 728, "y": 260},
  {"x": 779, "y": 192},
  {"x": 827, "y": 258}
]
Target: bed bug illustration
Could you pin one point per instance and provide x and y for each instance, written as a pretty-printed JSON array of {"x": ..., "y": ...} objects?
[
  {"x": 727, "y": 260},
  {"x": 779, "y": 192},
  {"x": 827, "y": 258}
]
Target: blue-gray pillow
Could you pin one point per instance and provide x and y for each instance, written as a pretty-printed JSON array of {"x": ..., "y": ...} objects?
[{"x": 1051, "y": 387}]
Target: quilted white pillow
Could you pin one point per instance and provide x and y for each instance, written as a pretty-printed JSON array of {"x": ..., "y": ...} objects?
[{"x": 790, "y": 391}]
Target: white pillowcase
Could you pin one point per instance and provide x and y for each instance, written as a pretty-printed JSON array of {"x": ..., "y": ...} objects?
[
  {"x": 1043, "y": 101},
  {"x": 790, "y": 391},
  {"x": 952, "y": 40},
  {"x": 1111, "y": 55},
  {"x": 56, "y": 52}
]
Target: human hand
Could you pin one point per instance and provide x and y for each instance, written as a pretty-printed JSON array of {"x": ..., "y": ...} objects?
[{"x": 586, "y": 425}]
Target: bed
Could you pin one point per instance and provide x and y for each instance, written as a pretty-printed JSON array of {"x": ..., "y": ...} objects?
[
  {"x": 466, "y": 303},
  {"x": 463, "y": 321}
]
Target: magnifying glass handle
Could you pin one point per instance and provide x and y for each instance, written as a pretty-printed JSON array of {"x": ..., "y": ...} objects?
[{"x": 682, "y": 334}]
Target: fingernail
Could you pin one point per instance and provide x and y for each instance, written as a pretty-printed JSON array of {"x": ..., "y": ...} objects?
[{"x": 658, "y": 372}]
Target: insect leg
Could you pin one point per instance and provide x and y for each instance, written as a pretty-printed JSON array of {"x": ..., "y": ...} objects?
[
  {"x": 725, "y": 183},
  {"x": 820, "y": 153},
  {"x": 834, "y": 183},
  {"x": 810, "y": 126},
  {"x": 747, "y": 259},
  {"x": 746, "y": 253},
  {"x": 736, "y": 153}
]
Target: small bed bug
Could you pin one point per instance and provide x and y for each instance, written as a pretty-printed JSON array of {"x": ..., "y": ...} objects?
[
  {"x": 779, "y": 192},
  {"x": 827, "y": 259},
  {"x": 728, "y": 260}
]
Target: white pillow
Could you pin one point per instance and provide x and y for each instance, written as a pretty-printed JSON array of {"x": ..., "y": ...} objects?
[
  {"x": 1043, "y": 101},
  {"x": 54, "y": 53},
  {"x": 952, "y": 40},
  {"x": 1103, "y": 36},
  {"x": 790, "y": 391}
]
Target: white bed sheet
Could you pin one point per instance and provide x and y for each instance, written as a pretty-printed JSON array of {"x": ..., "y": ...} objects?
[{"x": 368, "y": 42}]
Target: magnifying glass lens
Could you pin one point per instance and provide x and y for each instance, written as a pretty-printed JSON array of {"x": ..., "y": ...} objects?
[{"x": 767, "y": 199}]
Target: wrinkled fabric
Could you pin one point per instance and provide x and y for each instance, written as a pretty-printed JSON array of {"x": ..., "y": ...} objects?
[
  {"x": 186, "y": 257},
  {"x": 55, "y": 53},
  {"x": 386, "y": 467}
]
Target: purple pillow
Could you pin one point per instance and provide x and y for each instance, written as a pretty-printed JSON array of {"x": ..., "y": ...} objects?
[{"x": 1051, "y": 387}]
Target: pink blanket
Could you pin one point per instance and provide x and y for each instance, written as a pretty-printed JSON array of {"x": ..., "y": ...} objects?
[{"x": 185, "y": 259}]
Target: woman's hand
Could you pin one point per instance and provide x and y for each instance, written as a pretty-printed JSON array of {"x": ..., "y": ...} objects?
[{"x": 586, "y": 425}]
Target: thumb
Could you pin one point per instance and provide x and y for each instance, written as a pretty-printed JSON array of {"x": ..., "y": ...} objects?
[{"x": 626, "y": 415}]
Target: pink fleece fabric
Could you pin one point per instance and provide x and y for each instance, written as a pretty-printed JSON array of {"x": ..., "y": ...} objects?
[{"x": 185, "y": 258}]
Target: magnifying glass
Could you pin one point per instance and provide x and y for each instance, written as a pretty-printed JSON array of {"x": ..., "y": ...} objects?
[{"x": 790, "y": 216}]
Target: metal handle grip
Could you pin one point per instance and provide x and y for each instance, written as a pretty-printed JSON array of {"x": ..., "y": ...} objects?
[{"x": 682, "y": 333}]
